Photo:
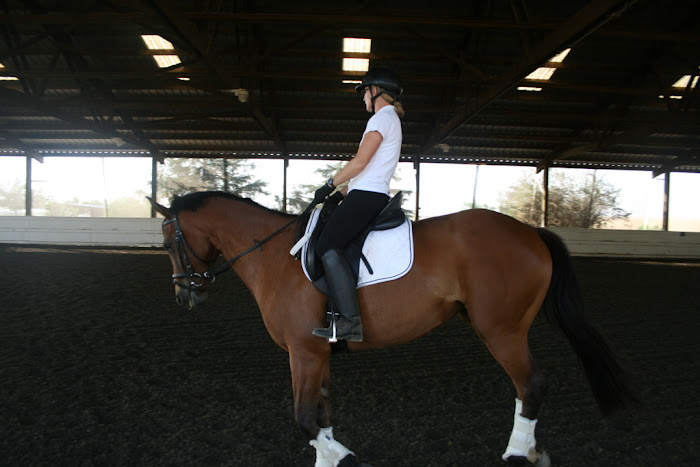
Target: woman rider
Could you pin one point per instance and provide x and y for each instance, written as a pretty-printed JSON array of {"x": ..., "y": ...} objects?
[{"x": 369, "y": 173}]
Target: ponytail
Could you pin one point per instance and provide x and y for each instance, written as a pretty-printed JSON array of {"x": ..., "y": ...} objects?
[
  {"x": 399, "y": 109},
  {"x": 397, "y": 105}
]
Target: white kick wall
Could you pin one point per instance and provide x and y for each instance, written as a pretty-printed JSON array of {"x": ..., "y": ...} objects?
[{"x": 138, "y": 232}]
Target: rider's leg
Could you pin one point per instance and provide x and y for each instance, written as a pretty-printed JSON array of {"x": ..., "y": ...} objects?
[
  {"x": 350, "y": 218},
  {"x": 344, "y": 295}
]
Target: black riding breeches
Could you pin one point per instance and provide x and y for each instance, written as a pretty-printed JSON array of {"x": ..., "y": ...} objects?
[{"x": 350, "y": 218}]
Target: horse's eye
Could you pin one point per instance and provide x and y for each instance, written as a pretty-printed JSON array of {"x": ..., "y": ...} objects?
[{"x": 168, "y": 246}]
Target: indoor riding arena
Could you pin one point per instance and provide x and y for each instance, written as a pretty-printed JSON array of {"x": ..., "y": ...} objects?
[
  {"x": 578, "y": 116},
  {"x": 100, "y": 367}
]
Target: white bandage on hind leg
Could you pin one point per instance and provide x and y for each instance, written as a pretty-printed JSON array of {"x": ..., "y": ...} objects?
[
  {"x": 329, "y": 452},
  {"x": 522, "y": 439}
]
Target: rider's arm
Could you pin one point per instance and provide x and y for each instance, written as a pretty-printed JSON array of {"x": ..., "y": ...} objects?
[{"x": 368, "y": 146}]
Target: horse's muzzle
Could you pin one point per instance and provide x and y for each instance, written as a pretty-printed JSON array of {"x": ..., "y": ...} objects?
[{"x": 190, "y": 298}]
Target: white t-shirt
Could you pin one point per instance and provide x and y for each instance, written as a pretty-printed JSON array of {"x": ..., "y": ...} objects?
[{"x": 376, "y": 176}]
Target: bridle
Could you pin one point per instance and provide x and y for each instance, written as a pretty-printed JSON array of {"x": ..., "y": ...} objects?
[{"x": 194, "y": 280}]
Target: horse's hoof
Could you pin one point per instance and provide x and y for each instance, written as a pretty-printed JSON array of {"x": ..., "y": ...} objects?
[
  {"x": 351, "y": 461},
  {"x": 517, "y": 461},
  {"x": 544, "y": 460}
]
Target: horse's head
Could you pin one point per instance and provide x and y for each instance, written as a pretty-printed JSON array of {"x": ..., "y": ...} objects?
[{"x": 189, "y": 257}]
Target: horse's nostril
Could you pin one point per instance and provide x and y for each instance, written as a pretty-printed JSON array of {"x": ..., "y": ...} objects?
[{"x": 178, "y": 300}]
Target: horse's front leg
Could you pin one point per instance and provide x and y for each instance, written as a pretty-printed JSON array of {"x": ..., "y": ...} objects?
[{"x": 311, "y": 383}]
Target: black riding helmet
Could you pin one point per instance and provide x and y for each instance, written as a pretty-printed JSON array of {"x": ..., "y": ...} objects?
[{"x": 384, "y": 78}]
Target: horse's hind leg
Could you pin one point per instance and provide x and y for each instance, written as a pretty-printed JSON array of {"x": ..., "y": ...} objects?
[{"x": 512, "y": 352}]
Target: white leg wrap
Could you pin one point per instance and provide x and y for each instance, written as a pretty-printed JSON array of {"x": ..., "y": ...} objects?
[
  {"x": 329, "y": 452},
  {"x": 522, "y": 439}
]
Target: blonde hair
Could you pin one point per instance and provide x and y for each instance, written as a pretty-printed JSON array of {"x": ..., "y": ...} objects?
[{"x": 397, "y": 105}]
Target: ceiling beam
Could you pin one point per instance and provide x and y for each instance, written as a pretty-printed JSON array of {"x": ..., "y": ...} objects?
[
  {"x": 636, "y": 136},
  {"x": 184, "y": 28},
  {"x": 15, "y": 142},
  {"x": 17, "y": 97},
  {"x": 586, "y": 20},
  {"x": 141, "y": 17},
  {"x": 144, "y": 79},
  {"x": 688, "y": 159},
  {"x": 263, "y": 18}
]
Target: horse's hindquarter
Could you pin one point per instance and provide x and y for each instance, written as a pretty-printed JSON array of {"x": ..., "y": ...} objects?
[{"x": 489, "y": 262}]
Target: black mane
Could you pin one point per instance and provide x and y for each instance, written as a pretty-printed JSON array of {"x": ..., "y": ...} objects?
[{"x": 193, "y": 201}]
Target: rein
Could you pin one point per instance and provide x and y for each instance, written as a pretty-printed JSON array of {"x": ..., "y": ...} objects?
[
  {"x": 210, "y": 275},
  {"x": 223, "y": 267}
]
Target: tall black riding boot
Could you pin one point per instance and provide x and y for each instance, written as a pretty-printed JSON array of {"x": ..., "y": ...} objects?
[{"x": 343, "y": 292}]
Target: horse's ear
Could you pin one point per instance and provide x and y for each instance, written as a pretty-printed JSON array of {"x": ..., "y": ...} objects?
[{"x": 160, "y": 209}]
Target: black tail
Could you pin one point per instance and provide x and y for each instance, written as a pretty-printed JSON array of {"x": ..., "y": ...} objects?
[{"x": 563, "y": 306}]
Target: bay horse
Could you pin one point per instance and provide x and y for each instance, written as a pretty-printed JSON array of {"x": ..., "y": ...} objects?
[{"x": 490, "y": 269}]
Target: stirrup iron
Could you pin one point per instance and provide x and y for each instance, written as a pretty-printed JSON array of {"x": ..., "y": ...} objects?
[{"x": 334, "y": 338}]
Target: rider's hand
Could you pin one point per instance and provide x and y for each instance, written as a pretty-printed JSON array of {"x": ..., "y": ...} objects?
[
  {"x": 323, "y": 192},
  {"x": 335, "y": 198}
]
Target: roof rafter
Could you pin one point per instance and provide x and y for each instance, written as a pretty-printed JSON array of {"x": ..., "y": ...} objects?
[
  {"x": 582, "y": 23},
  {"x": 182, "y": 26},
  {"x": 34, "y": 102}
]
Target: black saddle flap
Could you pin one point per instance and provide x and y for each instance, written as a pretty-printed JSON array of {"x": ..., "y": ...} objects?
[{"x": 391, "y": 216}]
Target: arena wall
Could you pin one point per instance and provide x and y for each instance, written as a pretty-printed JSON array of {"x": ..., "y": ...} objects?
[{"x": 139, "y": 232}]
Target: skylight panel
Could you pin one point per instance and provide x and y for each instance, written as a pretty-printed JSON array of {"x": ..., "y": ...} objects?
[
  {"x": 156, "y": 42},
  {"x": 544, "y": 73},
  {"x": 357, "y": 45},
  {"x": 7, "y": 78},
  {"x": 683, "y": 82},
  {"x": 355, "y": 64},
  {"x": 165, "y": 61},
  {"x": 558, "y": 58},
  {"x": 529, "y": 88}
]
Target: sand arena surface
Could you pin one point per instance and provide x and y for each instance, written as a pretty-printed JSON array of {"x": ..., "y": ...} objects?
[{"x": 99, "y": 366}]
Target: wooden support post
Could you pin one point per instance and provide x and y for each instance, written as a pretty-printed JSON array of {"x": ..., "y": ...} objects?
[
  {"x": 28, "y": 188},
  {"x": 545, "y": 197},
  {"x": 284, "y": 183},
  {"x": 476, "y": 184},
  {"x": 154, "y": 183},
  {"x": 416, "y": 165},
  {"x": 667, "y": 190}
]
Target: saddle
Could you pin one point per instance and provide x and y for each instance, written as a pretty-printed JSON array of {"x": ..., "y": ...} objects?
[{"x": 389, "y": 217}]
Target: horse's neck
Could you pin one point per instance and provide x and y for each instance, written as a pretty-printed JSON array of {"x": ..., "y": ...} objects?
[{"x": 235, "y": 231}]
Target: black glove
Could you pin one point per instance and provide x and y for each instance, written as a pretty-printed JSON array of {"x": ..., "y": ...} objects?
[
  {"x": 322, "y": 193},
  {"x": 335, "y": 198}
]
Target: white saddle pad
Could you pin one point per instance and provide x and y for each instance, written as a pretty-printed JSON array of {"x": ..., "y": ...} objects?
[{"x": 389, "y": 252}]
